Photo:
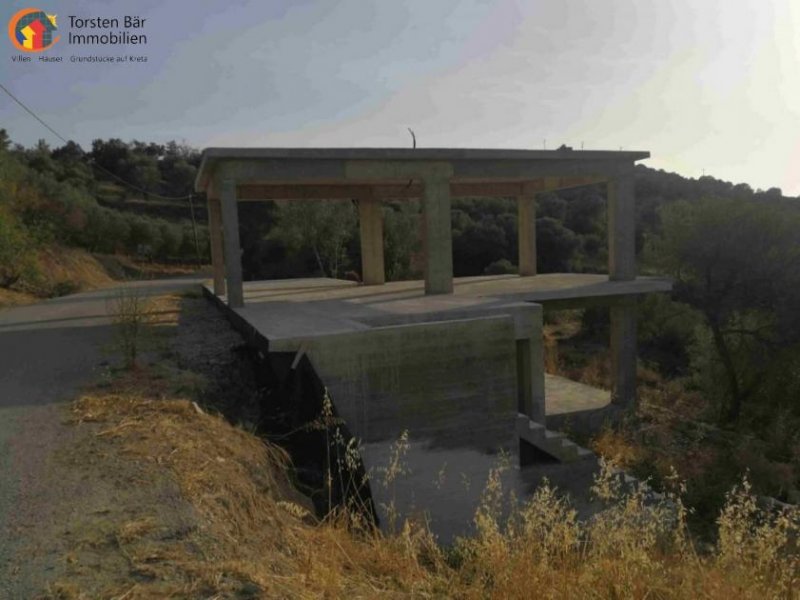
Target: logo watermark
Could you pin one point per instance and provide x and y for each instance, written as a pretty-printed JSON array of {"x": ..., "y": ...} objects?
[{"x": 33, "y": 30}]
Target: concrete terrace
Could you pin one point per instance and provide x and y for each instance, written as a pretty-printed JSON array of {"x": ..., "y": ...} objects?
[{"x": 284, "y": 313}]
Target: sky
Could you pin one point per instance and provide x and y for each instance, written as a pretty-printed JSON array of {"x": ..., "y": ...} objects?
[{"x": 707, "y": 86}]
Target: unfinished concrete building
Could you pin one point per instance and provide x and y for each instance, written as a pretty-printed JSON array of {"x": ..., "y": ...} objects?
[{"x": 455, "y": 361}]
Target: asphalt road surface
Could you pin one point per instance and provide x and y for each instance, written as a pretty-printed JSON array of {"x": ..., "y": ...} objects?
[{"x": 48, "y": 352}]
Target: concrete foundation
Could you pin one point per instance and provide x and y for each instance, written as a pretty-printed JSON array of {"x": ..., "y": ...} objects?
[{"x": 396, "y": 358}]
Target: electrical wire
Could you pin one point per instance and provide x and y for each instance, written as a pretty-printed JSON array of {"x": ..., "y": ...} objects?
[{"x": 91, "y": 161}]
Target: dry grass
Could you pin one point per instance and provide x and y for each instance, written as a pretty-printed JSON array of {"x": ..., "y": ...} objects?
[
  {"x": 9, "y": 298},
  {"x": 256, "y": 537},
  {"x": 63, "y": 270},
  {"x": 79, "y": 268}
]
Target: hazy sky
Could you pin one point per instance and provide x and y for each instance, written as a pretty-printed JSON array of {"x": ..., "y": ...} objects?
[{"x": 701, "y": 84}]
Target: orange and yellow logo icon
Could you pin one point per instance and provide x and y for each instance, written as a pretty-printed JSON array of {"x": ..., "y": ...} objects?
[{"x": 32, "y": 30}]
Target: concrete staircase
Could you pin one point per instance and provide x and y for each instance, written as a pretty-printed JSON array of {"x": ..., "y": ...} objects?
[{"x": 551, "y": 443}]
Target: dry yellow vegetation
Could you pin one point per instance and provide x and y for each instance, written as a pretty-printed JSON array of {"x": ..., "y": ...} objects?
[{"x": 253, "y": 535}]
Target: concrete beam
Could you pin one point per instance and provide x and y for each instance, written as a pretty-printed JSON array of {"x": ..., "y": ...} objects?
[
  {"x": 233, "y": 252},
  {"x": 388, "y": 171},
  {"x": 333, "y": 165},
  {"x": 437, "y": 237},
  {"x": 623, "y": 352},
  {"x": 621, "y": 227},
  {"x": 526, "y": 223},
  {"x": 217, "y": 251},
  {"x": 458, "y": 189},
  {"x": 300, "y": 191},
  {"x": 370, "y": 217}
]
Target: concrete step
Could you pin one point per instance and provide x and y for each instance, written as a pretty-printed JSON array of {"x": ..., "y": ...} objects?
[{"x": 552, "y": 443}]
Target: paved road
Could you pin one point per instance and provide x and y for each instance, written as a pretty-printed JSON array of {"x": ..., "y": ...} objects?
[{"x": 48, "y": 351}]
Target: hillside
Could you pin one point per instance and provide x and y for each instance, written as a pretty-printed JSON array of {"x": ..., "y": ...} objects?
[{"x": 60, "y": 215}]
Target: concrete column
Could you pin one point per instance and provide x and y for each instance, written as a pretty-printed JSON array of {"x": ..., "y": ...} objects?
[
  {"x": 526, "y": 223},
  {"x": 528, "y": 333},
  {"x": 623, "y": 352},
  {"x": 233, "y": 252},
  {"x": 621, "y": 227},
  {"x": 370, "y": 217},
  {"x": 437, "y": 237},
  {"x": 217, "y": 252},
  {"x": 530, "y": 379}
]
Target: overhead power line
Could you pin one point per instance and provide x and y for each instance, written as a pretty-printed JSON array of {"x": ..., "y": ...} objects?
[
  {"x": 31, "y": 113},
  {"x": 91, "y": 161}
]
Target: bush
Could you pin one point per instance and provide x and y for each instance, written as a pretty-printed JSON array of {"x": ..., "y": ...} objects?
[
  {"x": 131, "y": 312},
  {"x": 555, "y": 245},
  {"x": 500, "y": 267},
  {"x": 17, "y": 252},
  {"x": 63, "y": 288}
]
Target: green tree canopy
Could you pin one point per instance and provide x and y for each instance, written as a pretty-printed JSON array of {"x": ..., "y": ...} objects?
[{"x": 738, "y": 262}]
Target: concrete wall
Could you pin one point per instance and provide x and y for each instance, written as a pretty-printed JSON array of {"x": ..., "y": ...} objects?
[{"x": 452, "y": 383}]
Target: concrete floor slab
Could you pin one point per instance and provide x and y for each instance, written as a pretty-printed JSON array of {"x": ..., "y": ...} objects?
[{"x": 285, "y": 312}]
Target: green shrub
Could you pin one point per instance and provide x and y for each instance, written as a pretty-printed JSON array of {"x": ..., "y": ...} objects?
[
  {"x": 17, "y": 252},
  {"x": 500, "y": 267}
]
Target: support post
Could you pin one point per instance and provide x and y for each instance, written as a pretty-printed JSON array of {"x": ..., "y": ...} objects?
[
  {"x": 217, "y": 252},
  {"x": 530, "y": 379},
  {"x": 526, "y": 220},
  {"x": 623, "y": 352},
  {"x": 621, "y": 227},
  {"x": 370, "y": 217},
  {"x": 233, "y": 253},
  {"x": 529, "y": 336},
  {"x": 437, "y": 237}
]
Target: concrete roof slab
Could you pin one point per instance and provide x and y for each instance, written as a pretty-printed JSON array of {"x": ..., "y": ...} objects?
[{"x": 331, "y": 164}]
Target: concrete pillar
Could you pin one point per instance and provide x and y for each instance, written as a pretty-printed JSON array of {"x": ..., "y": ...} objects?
[
  {"x": 217, "y": 252},
  {"x": 530, "y": 379},
  {"x": 526, "y": 220},
  {"x": 370, "y": 217},
  {"x": 437, "y": 237},
  {"x": 233, "y": 252},
  {"x": 623, "y": 352},
  {"x": 621, "y": 227},
  {"x": 528, "y": 333}
]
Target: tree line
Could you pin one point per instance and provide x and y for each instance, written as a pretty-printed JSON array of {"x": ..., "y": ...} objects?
[{"x": 59, "y": 196}]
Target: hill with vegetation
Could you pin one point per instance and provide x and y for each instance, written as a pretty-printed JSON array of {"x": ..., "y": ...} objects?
[{"x": 64, "y": 212}]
